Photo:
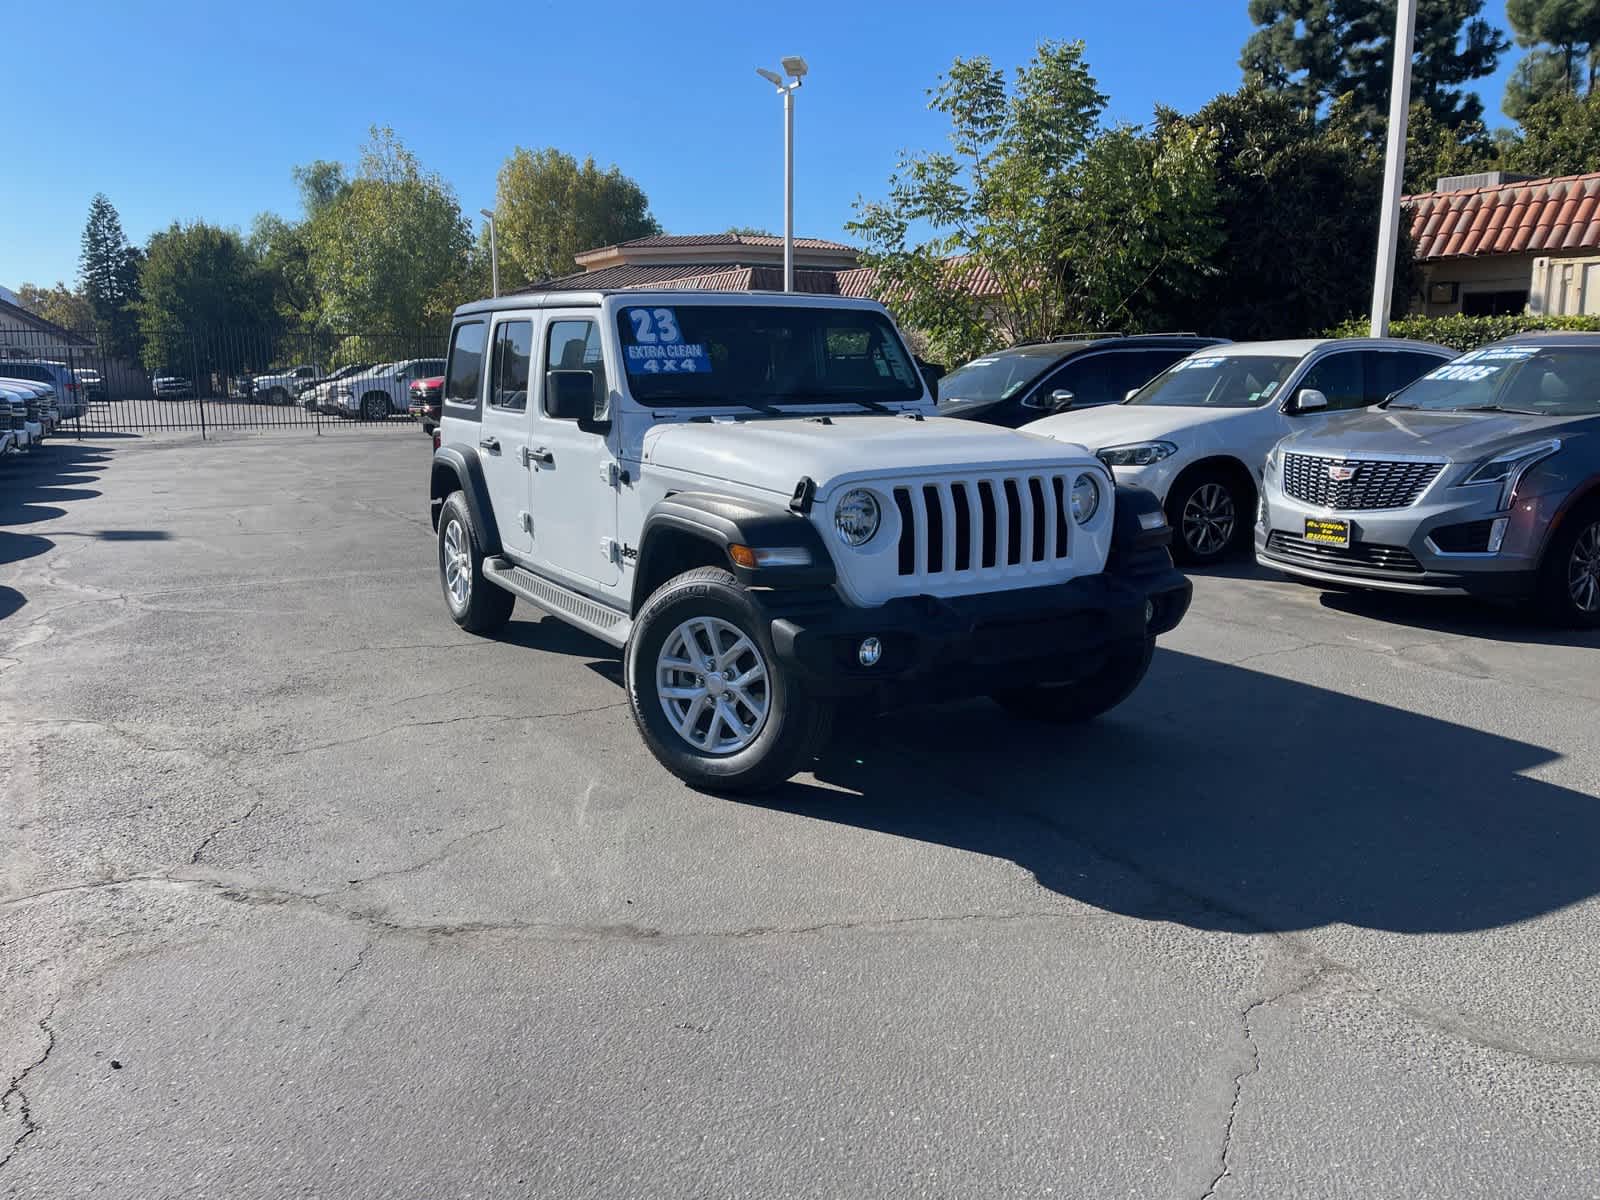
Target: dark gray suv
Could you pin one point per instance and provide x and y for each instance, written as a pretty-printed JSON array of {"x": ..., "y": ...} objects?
[{"x": 1481, "y": 478}]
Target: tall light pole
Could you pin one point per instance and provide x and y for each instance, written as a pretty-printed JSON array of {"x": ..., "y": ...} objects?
[
  {"x": 794, "y": 70},
  {"x": 494, "y": 253},
  {"x": 1394, "y": 165}
]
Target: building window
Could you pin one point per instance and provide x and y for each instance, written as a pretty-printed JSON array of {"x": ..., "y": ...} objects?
[{"x": 1493, "y": 304}]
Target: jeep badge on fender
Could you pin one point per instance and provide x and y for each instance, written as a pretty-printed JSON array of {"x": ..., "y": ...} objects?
[{"x": 751, "y": 497}]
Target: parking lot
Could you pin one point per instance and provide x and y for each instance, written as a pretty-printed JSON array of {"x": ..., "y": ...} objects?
[{"x": 303, "y": 891}]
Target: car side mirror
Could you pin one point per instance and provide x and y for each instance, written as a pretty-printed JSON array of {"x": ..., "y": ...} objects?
[
  {"x": 1061, "y": 400},
  {"x": 1309, "y": 400},
  {"x": 569, "y": 395}
]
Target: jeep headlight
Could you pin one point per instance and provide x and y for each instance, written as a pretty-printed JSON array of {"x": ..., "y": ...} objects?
[
  {"x": 856, "y": 517},
  {"x": 1138, "y": 454},
  {"x": 1085, "y": 498}
]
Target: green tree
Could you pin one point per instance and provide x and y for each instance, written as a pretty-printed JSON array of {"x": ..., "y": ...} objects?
[
  {"x": 59, "y": 304},
  {"x": 751, "y": 231},
  {"x": 1434, "y": 150},
  {"x": 1297, "y": 203},
  {"x": 282, "y": 249},
  {"x": 1317, "y": 50},
  {"x": 108, "y": 277},
  {"x": 1564, "y": 37},
  {"x": 1560, "y": 135},
  {"x": 199, "y": 283},
  {"x": 1038, "y": 220},
  {"x": 548, "y": 208},
  {"x": 388, "y": 250}
]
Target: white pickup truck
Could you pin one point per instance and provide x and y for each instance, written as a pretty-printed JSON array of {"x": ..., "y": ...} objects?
[{"x": 751, "y": 497}]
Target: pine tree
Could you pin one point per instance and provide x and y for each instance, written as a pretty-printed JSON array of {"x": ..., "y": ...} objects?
[{"x": 108, "y": 277}]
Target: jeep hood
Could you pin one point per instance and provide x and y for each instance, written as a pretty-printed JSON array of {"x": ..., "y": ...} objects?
[
  {"x": 1457, "y": 436},
  {"x": 774, "y": 453}
]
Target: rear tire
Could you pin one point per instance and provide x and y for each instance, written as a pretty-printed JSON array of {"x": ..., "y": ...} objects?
[
  {"x": 374, "y": 407},
  {"x": 1208, "y": 514},
  {"x": 474, "y": 603},
  {"x": 1569, "y": 574},
  {"x": 1084, "y": 699},
  {"x": 705, "y": 620}
]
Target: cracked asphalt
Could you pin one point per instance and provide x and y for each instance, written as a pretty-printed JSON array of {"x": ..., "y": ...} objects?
[{"x": 303, "y": 892}]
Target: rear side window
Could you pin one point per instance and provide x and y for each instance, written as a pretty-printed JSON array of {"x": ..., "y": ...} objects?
[
  {"x": 513, "y": 347},
  {"x": 464, "y": 378}
]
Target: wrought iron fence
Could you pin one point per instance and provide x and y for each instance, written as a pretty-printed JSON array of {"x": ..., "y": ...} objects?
[{"x": 233, "y": 378}]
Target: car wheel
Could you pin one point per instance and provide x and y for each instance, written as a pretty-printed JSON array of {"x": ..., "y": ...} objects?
[
  {"x": 1569, "y": 576},
  {"x": 1207, "y": 514},
  {"x": 374, "y": 407},
  {"x": 475, "y": 604},
  {"x": 708, "y": 693},
  {"x": 1107, "y": 686}
]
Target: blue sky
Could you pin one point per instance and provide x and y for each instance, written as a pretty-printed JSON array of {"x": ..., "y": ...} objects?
[{"x": 186, "y": 109}]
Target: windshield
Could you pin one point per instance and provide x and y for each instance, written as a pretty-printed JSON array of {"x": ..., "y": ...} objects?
[
  {"x": 1219, "y": 381},
  {"x": 702, "y": 354},
  {"x": 1555, "y": 381},
  {"x": 999, "y": 376}
]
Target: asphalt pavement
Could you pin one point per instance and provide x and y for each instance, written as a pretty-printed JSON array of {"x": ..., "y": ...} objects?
[{"x": 304, "y": 892}]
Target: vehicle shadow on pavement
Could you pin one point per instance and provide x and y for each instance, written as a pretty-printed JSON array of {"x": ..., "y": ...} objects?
[
  {"x": 1459, "y": 615},
  {"x": 33, "y": 487},
  {"x": 1224, "y": 798}
]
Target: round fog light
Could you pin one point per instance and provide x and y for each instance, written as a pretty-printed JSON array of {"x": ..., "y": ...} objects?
[{"x": 869, "y": 652}]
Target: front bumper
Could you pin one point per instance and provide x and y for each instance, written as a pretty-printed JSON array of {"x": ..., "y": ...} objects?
[
  {"x": 934, "y": 648},
  {"x": 1395, "y": 550}
]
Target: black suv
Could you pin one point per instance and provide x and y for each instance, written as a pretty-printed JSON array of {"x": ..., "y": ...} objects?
[{"x": 1022, "y": 383}]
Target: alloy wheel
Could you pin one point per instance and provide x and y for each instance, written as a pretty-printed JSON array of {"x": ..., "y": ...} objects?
[
  {"x": 1583, "y": 571},
  {"x": 713, "y": 685},
  {"x": 1208, "y": 519},
  {"x": 457, "y": 564}
]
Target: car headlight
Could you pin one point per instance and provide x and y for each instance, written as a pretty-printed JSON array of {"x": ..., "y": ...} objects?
[
  {"x": 1085, "y": 498},
  {"x": 1138, "y": 454},
  {"x": 1508, "y": 469},
  {"x": 856, "y": 517}
]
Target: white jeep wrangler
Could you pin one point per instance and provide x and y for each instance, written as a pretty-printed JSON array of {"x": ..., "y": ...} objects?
[{"x": 750, "y": 496}]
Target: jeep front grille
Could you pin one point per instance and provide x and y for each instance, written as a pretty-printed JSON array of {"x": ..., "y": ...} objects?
[
  {"x": 1373, "y": 482},
  {"x": 978, "y": 526}
]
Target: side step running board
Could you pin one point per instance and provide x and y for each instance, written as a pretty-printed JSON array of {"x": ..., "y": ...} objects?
[{"x": 606, "y": 623}]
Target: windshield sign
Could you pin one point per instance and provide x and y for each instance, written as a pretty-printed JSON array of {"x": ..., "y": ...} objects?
[
  {"x": 1218, "y": 381},
  {"x": 1557, "y": 381},
  {"x": 703, "y": 354}
]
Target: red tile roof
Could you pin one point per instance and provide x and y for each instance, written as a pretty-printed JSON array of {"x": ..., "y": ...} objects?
[
  {"x": 862, "y": 282},
  {"x": 728, "y": 239},
  {"x": 1511, "y": 218}
]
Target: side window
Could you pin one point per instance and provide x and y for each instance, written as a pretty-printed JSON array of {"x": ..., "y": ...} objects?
[
  {"x": 1397, "y": 368},
  {"x": 1339, "y": 377},
  {"x": 464, "y": 378},
  {"x": 513, "y": 347},
  {"x": 573, "y": 344},
  {"x": 1088, "y": 379},
  {"x": 1135, "y": 368}
]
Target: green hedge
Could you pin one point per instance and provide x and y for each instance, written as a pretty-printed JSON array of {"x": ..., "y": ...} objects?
[{"x": 1464, "y": 333}]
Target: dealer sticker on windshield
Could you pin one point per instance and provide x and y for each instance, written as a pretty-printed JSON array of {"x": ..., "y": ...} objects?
[
  {"x": 658, "y": 347},
  {"x": 1197, "y": 364}
]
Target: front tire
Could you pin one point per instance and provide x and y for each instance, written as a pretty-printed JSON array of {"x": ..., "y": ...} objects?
[
  {"x": 1083, "y": 699},
  {"x": 1207, "y": 511},
  {"x": 375, "y": 407},
  {"x": 707, "y": 691},
  {"x": 1569, "y": 576},
  {"x": 475, "y": 604}
]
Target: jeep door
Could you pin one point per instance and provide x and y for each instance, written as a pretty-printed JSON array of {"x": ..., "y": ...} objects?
[
  {"x": 503, "y": 433},
  {"x": 574, "y": 496}
]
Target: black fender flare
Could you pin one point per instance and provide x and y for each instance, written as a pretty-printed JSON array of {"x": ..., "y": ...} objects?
[
  {"x": 725, "y": 521},
  {"x": 1138, "y": 548},
  {"x": 457, "y": 467}
]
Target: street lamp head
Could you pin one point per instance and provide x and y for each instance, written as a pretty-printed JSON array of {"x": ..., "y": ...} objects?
[
  {"x": 771, "y": 77},
  {"x": 795, "y": 65},
  {"x": 488, "y": 212}
]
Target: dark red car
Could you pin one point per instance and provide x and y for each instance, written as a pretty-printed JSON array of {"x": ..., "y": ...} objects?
[{"x": 425, "y": 399}]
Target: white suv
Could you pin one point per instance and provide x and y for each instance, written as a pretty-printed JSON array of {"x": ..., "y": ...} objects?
[
  {"x": 751, "y": 497},
  {"x": 1197, "y": 434}
]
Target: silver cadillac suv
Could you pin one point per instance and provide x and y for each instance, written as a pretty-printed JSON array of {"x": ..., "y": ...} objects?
[{"x": 1481, "y": 478}]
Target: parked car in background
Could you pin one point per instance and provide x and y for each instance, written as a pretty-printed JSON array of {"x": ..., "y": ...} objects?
[
  {"x": 32, "y": 409},
  {"x": 68, "y": 392},
  {"x": 378, "y": 393},
  {"x": 281, "y": 387},
  {"x": 426, "y": 398},
  {"x": 94, "y": 387},
  {"x": 1480, "y": 478},
  {"x": 1198, "y": 434},
  {"x": 1019, "y": 384},
  {"x": 319, "y": 397},
  {"x": 168, "y": 385}
]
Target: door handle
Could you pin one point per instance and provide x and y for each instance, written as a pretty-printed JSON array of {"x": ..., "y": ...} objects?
[
  {"x": 492, "y": 445},
  {"x": 543, "y": 456}
]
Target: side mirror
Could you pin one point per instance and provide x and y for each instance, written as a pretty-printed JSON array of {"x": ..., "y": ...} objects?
[
  {"x": 1309, "y": 400},
  {"x": 569, "y": 395},
  {"x": 1061, "y": 400}
]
